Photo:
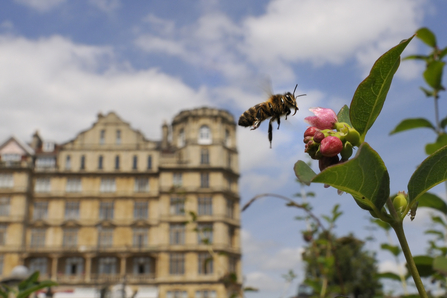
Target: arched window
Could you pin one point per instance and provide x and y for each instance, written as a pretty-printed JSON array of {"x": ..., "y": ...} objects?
[
  {"x": 205, "y": 135},
  {"x": 181, "y": 138},
  {"x": 227, "y": 138}
]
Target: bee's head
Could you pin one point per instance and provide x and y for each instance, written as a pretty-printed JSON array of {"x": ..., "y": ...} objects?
[{"x": 291, "y": 99}]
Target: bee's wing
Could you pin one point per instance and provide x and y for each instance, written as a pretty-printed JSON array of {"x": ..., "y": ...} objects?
[{"x": 265, "y": 84}]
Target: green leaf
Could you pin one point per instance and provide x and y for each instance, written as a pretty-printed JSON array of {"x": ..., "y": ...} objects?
[
  {"x": 35, "y": 288},
  {"x": 365, "y": 177},
  {"x": 416, "y": 57},
  {"x": 424, "y": 264},
  {"x": 441, "y": 141},
  {"x": 395, "y": 250},
  {"x": 433, "y": 74},
  {"x": 303, "y": 172},
  {"x": 442, "y": 53},
  {"x": 444, "y": 122},
  {"x": 370, "y": 95},
  {"x": 412, "y": 123},
  {"x": 435, "y": 232},
  {"x": 389, "y": 275},
  {"x": 440, "y": 265},
  {"x": 426, "y": 36},
  {"x": 431, "y": 172},
  {"x": 343, "y": 115},
  {"x": 428, "y": 93},
  {"x": 439, "y": 220},
  {"x": 430, "y": 200}
]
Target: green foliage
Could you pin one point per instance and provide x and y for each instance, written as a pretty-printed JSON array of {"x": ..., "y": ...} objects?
[
  {"x": 370, "y": 95},
  {"x": 433, "y": 74},
  {"x": 26, "y": 287},
  {"x": 430, "y": 200},
  {"x": 427, "y": 36},
  {"x": 424, "y": 265},
  {"x": 413, "y": 123},
  {"x": 343, "y": 115},
  {"x": 431, "y": 172},
  {"x": 441, "y": 141},
  {"x": 395, "y": 250}
]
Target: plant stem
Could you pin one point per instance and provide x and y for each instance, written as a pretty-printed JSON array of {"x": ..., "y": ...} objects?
[
  {"x": 438, "y": 125},
  {"x": 398, "y": 228}
]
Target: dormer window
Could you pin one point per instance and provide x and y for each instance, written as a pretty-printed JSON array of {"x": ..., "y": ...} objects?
[
  {"x": 102, "y": 137},
  {"x": 205, "y": 135},
  {"x": 48, "y": 146},
  {"x": 118, "y": 137}
]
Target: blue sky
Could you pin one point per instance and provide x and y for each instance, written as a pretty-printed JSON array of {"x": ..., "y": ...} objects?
[{"x": 147, "y": 60}]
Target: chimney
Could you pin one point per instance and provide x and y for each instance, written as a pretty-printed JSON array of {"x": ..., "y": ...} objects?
[
  {"x": 36, "y": 141},
  {"x": 165, "y": 136}
]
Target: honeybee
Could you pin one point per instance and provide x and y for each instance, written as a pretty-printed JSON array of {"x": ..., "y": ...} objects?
[{"x": 276, "y": 106}]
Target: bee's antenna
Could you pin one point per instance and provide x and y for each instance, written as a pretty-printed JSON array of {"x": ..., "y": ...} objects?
[{"x": 294, "y": 90}]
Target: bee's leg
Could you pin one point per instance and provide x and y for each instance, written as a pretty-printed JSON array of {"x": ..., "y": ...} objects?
[
  {"x": 288, "y": 112},
  {"x": 279, "y": 121},
  {"x": 271, "y": 131},
  {"x": 255, "y": 124}
]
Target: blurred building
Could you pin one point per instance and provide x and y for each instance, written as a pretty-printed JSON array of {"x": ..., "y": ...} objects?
[{"x": 109, "y": 208}]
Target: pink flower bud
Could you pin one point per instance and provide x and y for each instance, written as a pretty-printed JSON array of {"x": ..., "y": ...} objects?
[
  {"x": 310, "y": 131},
  {"x": 323, "y": 119},
  {"x": 331, "y": 146},
  {"x": 318, "y": 136}
]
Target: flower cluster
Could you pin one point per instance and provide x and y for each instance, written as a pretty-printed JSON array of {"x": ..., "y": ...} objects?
[{"x": 326, "y": 138}]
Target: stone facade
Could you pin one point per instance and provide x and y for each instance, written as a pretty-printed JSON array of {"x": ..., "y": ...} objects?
[{"x": 109, "y": 207}]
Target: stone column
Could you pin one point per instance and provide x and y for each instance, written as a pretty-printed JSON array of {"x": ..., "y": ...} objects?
[
  {"x": 54, "y": 262},
  {"x": 123, "y": 264},
  {"x": 88, "y": 267}
]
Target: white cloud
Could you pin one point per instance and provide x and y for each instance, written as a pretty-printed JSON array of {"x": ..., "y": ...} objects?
[
  {"x": 72, "y": 82},
  {"x": 41, "y": 5},
  {"x": 288, "y": 32},
  {"x": 391, "y": 266}
]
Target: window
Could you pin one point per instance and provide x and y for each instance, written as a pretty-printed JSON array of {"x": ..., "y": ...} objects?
[
  {"x": 6, "y": 181},
  {"x": 68, "y": 162},
  {"x": 42, "y": 185},
  {"x": 107, "y": 265},
  {"x": 227, "y": 138},
  {"x": 204, "y": 157},
  {"x": 177, "y": 234},
  {"x": 106, "y": 210},
  {"x": 230, "y": 208},
  {"x": 205, "y": 206},
  {"x": 107, "y": 185},
  {"x": 82, "y": 166},
  {"x": 140, "y": 210},
  {"x": 118, "y": 137},
  {"x": 3, "y": 234},
  {"x": 135, "y": 162},
  {"x": 38, "y": 264},
  {"x": 40, "y": 210},
  {"x": 177, "y": 206},
  {"x": 100, "y": 162},
  {"x": 70, "y": 238},
  {"x": 204, "y": 233},
  {"x": 102, "y": 137},
  {"x": 204, "y": 180},
  {"x": 176, "y": 294},
  {"x": 204, "y": 135},
  {"x": 177, "y": 179},
  {"x": 181, "y": 138},
  {"x": 74, "y": 266},
  {"x": 117, "y": 162},
  {"x": 149, "y": 162},
  {"x": 48, "y": 146},
  {"x": 141, "y": 184},
  {"x": 177, "y": 264},
  {"x": 231, "y": 236},
  {"x": 37, "y": 237},
  {"x": 205, "y": 263},
  {"x": 232, "y": 264},
  {"x": 229, "y": 182},
  {"x": 140, "y": 237},
  {"x": 141, "y": 265},
  {"x": 105, "y": 237},
  {"x": 71, "y": 210},
  {"x": 73, "y": 185},
  {"x": 4, "y": 206},
  {"x": 206, "y": 294},
  {"x": 11, "y": 157},
  {"x": 45, "y": 162}
]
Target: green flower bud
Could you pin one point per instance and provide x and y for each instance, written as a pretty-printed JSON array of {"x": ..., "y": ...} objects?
[
  {"x": 353, "y": 137},
  {"x": 400, "y": 202},
  {"x": 342, "y": 127},
  {"x": 346, "y": 152}
]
